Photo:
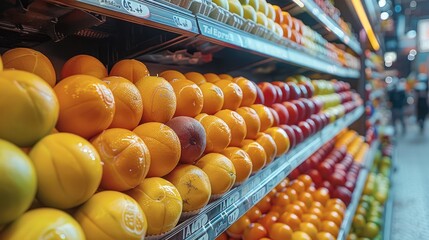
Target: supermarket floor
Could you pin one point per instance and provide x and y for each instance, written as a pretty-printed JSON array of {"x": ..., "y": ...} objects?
[{"x": 410, "y": 220}]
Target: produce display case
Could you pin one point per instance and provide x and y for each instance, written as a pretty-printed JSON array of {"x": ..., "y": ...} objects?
[{"x": 198, "y": 35}]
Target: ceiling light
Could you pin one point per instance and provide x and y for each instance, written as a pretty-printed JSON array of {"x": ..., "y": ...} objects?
[
  {"x": 382, "y": 3},
  {"x": 411, "y": 57},
  {"x": 389, "y": 79},
  {"x": 398, "y": 8},
  {"x": 390, "y": 57},
  {"x": 412, "y": 34},
  {"x": 388, "y": 64},
  {"x": 413, "y": 52},
  {"x": 357, "y": 4},
  {"x": 384, "y": 15},
  {"x": 413, "y": 4}
]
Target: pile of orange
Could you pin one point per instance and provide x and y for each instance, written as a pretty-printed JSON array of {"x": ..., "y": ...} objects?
[
  {"x": 103, "y": 136},
  {"x": 292, "y": 210}
]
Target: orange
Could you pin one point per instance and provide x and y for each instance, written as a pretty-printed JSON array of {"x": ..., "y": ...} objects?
[
  {"x": 306, "y": 198},
  {"x": 295, "y": 209},
  {"x": 281, "y": 187},
  {"x": 334, "y": 201},
  {"x": 220, "y": 171},
  {"x": 236, "y": 123},
  {"x": 321, "y": 195},
  {"x": 330, "y": 227},
  {"x": 125, "y": 158},
  {"x": 302, "y": 205},
  {"x": 272, "y": 193},
  {"x": 29, "y": 108},
  {"x": 128, "y": 103},
  {"x": 18, "y": 175},
  {"x": 291, "y": 219},
  {"x": 254, "y": 214},
  {"x": 264, "y": 204},
  {"x": 311, "y": 189},
  {"x": 299, "y": 235},
  {"x": 189, "y": 98},
  {"x": 306, "y": 180},
  {"x": 256, "y": 153},
  {"x": 222, "y": 236},
  {"x": 69, "y": 170},
  {"x": 336, "y": 208},
  {"x": 280, "y": 231},
  {"x": 298, "y": 186},
  {"x": 226, "y": 77},
  {"x": 293, "y": 195},
  {"x": 281, "y": 199},
  {"x": 213, "y": 98},
  {"x": 211, "y": 77},
  {"x": 241, "y": 161},
  {"x": 32, "y": 61},
  {"x": 309, "y": 228},
  {"x": 193, "y": 185},
  {"x": 265, "y": 116},
  {"x": 233, "y": 94},
  {"x": 195, "y": 77},
  {"x": 316, "y": 211},
  {"x": 317, "y": 205},
  {"x": 237, "y": 228},
  {"x": 280, "y": 139},
  {"x": 160, "y": 201},
  {"x": 43, "y": 223},
  {"x": 267, "y": 220},
  {"x": 253, "y": 123},
  {"x": 325, "y": 236},
  {"x": 254, "y": 231},
  {"x": 249, "y": 91},
  {"x": 270, "y": 147},
  {"x": 87, "y": 105},
  {"x": 312, "y": 218},
  {"x": 159, "y": 100},
  {"x": 164, "y": 147},
  {"x": 333, "y": 216},
  {"x": 218, "y": 134},
  {"x": 84, "y": 64},
  {"x": 171, "y": 75},
  {"x": 130, "y": 69}
]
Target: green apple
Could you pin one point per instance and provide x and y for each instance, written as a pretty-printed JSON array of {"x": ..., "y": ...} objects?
[
  {"x": 249, "y": 13},
  {"x": 254, "y": 4},
  {"x": 244, "y": 2},
  {"x": 271, "y": 25},
  {"x": 235, "y": 7},
  {"x": 261, "y": 19},
  {"x": 271, "y": 12},
  {"x": 263, "y": 7},
  {"x": 222, "y": 3},
  {"x": 279, "y": 29}
]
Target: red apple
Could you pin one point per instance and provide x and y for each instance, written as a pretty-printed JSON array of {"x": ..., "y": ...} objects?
[
  {"x": 305, "y": 127},
  {"x": 294, "y": 174},
  {"x": 326, "y": 184},
  {"x": 301, "y": 109},
  {"x": 316, "y": 177},
  {"x": 304, "y": 93},
  {"x": 350, "y": 186},
  {"x": 298, "y": 134},
  {"x": 285, "y": 90},
  {"x": 260, "y": 99},
  {"x": 192, "y": 137},
  {"x": 318, "y": 121},
  {"x": 325, "y": 169},
  {"x": 312, "y": 126},
  {"x": 279, "y": 97},
  {"x": 309, "y": 106},
  {"x": 310, "y": 89},
  {"x": 304, "y": 166},
  {"x": 318, "y": 105},
  {"x": 292, "y": 111},
  {"x": 275, "y": 116},
  {"x": 282, "y": 113},
  {"x": 337, "y": 179},
  {"x": 270, "y": 93},
  {"x": 290, "y": 133},
  {"x": 343, "y": 193},
  {"x": 295, "y": 91}
]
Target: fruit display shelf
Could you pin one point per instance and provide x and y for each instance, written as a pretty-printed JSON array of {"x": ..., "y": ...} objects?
[
  {"x": 316, "y": 12},
  {"x": 216, "y": 217},
  {"x": 360, "y": 184},
  {"x": 169, "y": 17},
  {"x": 388, "y": 207}
]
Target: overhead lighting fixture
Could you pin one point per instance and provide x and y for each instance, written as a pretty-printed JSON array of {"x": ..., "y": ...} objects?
[
  {"x": 413, "y": 52},
  {"x": 299, "y": 3},
  {"x": 398, "y": 8},
  {"x": 384, "y": 15},
  {"x": 357, "y": 4},
  {"x": 390, "y": 56},
  {"x": 389, "y": 80},
  {"x": 411, "y": 57},
  {"x": 382, "y": 3},
  {"x": 388, "y": 64},
  {"x": 411, "y": 34},
  {"x": 413, "y": 4}
]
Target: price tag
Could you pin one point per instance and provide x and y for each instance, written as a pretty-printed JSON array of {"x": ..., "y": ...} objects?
[
  {"x": 136, "y": 8},
  {"x": 195, "y": 226},
  {"x": 110, "y": 3},
  {"x": 182, "y": 23}
]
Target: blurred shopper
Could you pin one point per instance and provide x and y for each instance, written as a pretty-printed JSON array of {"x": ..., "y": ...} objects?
[
  {"x": 421, "y": 89},
  {"x": 397, "y": 99}
]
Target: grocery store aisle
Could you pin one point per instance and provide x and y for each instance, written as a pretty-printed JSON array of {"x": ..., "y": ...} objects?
[{"x": 410, "y": 219}]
